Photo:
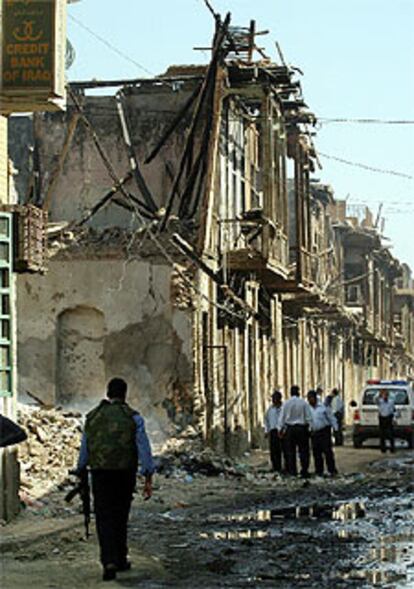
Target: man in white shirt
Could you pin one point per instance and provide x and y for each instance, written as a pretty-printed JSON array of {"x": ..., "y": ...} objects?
[
  {"x": 271, "y": 425},
  {"x": 323, "y": 421},
  {"x": 386, "y": 413},
  {"x": 295, "y": 421},
  {"x": 338, "y": 409}
]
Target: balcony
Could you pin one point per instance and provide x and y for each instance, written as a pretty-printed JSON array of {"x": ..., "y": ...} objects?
[{"x": 253, "y": 243}]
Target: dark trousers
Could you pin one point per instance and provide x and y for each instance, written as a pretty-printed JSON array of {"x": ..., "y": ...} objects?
[
  {"x": 338, "y": 435},
  {"x": 277, "y": 450},
  {"x": 386, "y": 429},
  {"x": 297, "y": 437},
  {"x": 112, "y": 492},
  {"x": 322, "y": 449}
]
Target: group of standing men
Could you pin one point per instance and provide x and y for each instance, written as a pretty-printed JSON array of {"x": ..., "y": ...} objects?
[{"x": 297, "y": 424}]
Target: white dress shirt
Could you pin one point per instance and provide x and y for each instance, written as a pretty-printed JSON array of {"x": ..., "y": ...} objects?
[
  {"x": 385, "y": 408},
  {"x": 322, "y": 417},
  {"x": 272, "y": 418},
  {"x": 296, "y": 411},
  {"x": 337, "y": 404}
]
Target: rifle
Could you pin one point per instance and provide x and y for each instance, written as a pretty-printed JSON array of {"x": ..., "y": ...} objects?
[{"x": 82, "y": 489}]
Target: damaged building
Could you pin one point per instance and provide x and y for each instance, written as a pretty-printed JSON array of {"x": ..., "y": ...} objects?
[{"x": 191, "y": 253}]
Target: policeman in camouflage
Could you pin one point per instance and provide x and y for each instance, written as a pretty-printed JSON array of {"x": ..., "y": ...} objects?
[
  {"x": 113, "y": 441},
  {"x": 110, "y": 430}
]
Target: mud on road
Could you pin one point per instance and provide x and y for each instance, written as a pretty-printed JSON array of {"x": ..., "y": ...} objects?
[{"x": 355, "y": 531}]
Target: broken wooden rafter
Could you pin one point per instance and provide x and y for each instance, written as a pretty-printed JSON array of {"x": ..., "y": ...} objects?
[
  {"x": 157, "y": 81},
  {"x": 139, "y": 179},
  {"x": 62, "y": 158},
  {"x": 105, "y": 199},
  {"x": 208, "y": 79},
  {"x": 173, "y": 125},
  {"x": 109, "y": 196},
  {"x": 198, "y": 169},
  {"x": 118, "y": 183}
]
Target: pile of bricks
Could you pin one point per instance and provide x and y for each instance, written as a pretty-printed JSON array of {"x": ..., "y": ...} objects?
[{"x": 51, "y": 448}]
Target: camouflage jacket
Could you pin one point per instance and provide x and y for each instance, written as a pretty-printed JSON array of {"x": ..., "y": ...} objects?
[{"x": 110, "y": 431}]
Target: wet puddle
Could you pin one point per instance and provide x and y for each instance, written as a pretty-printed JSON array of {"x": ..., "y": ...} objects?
[
  {"x": 380, "y": 578},
  {"x": 392, "y": 562},
  {"x": 236, "y": 535},
  {"x": 385, "y": 561},
  {"x": 341, "y": 512}
]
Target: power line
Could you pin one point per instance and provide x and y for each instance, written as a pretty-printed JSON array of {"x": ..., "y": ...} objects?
[
  {"x": 365, "y": 166},
  {"x": 111, "y": 46},
  {"x": 367, "y": 121}
]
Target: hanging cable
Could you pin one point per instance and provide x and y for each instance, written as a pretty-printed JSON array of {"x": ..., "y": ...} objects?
[
  {"x": 110, "y": 45},
  {"x": 366, "y": 121},
  {"x": 365, "y": 166}
]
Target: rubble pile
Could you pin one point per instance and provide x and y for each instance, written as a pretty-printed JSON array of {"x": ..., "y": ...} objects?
[
  {"x": 50, "y": 450},
  {"x": 187, "y": 454}
]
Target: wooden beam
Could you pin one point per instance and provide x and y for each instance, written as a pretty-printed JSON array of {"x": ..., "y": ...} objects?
[
  {"x": 173, "y": 125},
  {"x": 139, "y": 178},
  {"x": 62, "y": 158}
]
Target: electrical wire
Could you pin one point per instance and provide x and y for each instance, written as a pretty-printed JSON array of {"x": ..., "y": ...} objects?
[
  {"x": 365, "y": 166},
  {"x": 110, "y": 45},
  {"x": 368, "y": 121}
]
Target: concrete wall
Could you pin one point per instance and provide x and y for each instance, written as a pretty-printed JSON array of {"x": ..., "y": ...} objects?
[{"x": 89, "y": 320}]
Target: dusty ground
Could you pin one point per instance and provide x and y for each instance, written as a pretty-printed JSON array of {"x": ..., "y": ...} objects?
[{"x": 355, "y": 531}]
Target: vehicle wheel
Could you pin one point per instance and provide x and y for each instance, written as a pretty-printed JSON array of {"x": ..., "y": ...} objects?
[
  {"x": 411, "y": 442},
  {"x": 357, "y": 443}
]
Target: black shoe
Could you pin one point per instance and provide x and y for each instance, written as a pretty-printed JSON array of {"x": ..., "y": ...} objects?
[
  {"x": 124, "y": 566},
  {"x": 109, "y": 573}
]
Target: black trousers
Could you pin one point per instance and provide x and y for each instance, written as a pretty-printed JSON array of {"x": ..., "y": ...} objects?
[
  {"x": 322, "y": 449},
  {"x": 339, "y": 435},
  {"x": 386, "y": 429},
  {"x": 297, "y": 437},
  {"x": 112, "y": 493},
  {"x": 277, "y": 450}
]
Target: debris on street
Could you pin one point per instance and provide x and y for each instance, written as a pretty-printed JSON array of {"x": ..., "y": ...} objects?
[{"x": 50, "y": 451}]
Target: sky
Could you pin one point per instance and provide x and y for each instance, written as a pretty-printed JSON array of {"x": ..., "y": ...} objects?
[{"x": 357, "y": 57}]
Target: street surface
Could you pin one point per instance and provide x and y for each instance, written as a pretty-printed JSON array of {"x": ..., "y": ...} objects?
[{"x": 355, "y": 531}]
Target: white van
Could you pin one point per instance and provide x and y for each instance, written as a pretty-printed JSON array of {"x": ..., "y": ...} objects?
[{"x": 365, "y": 417}]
